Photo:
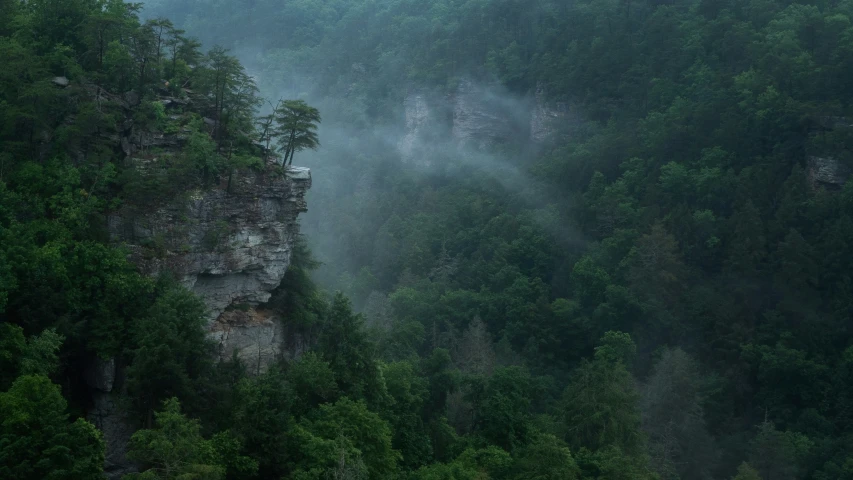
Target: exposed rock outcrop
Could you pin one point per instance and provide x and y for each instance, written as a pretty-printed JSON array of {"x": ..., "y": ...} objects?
[
  {"x": 417, "y": 113},
  {"x": 481, "y": 118},
  {"x": 548, "y": 115},
  {"x": 478, "y": 117},
  {"x": 827, "y": 165},
  {"x": 827, "y": 172},
  {"x": 109, "y": 417},
  {"x": 229, "y": 243},
  {"x": 254, "y": 334},
  {"x": 230, "y": 248}
]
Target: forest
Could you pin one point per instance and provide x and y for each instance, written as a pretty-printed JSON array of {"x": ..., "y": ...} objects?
[{"x": 662, "y": 290}]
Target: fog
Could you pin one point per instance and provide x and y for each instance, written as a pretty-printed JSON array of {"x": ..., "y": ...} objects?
[
  {"x": 378, "y": 126},
  {"x": 440, "y": 145}
]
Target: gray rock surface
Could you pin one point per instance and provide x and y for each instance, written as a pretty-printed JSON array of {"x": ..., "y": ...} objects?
[
  {"x": 101, "y": 374},
  {"x": 254, "y": 335},
  {"x": 548, "y": 115},
  {"x": 230, "y": 248},
  {"x": 229, "y": 244},
  {"x": 827, "y": 172},
  {"x": 830, "y": 122},
  {"x": 110, "y": 418},
  {"x": 417, "y": 113},
  {"x": 479, "y": 118}
]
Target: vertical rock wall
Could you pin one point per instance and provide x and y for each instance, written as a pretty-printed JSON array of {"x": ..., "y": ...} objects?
[
  {"x": 481, "y": 118},
  {"x": 231, "y": 249},
  {"x": 548, "y": 116},
  {"x": 478, "y": 117},
  {"x": 417, "y": 114}
]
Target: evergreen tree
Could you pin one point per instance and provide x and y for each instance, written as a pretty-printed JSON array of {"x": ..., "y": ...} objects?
[
  {"x": 600, "y": 404},
  {"x": 296, "y": 125},
  {"x": 37, "y": 441},
  {"x": 175, "y": 449}
]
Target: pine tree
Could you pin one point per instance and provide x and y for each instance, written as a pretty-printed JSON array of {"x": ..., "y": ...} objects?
[
  {"x": 296, "y": 123},
  {"x": 38, "y": 442}
]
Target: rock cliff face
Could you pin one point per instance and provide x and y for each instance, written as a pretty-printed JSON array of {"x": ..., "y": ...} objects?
[
  {"x": 231, "y": 249},
  {"x": 418, "y": 119},
  {"x": 548, "y": 115},
  {"x": 109, "y": 417},
  {"x": 477, "y": 117},
  {"x": 480, "y": 118},
  {"x": 230, "y": 244},
  {"x": 827, "y": 172},
  {"x": 826, "y": 166}
]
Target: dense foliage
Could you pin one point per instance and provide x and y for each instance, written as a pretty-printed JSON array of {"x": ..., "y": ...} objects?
[
  {"x": 659, "y": 292},
  {"x": 681, "y": 212}
]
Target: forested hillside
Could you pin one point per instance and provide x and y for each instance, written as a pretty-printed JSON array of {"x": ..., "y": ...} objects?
[{"x": 661, "y": 289}]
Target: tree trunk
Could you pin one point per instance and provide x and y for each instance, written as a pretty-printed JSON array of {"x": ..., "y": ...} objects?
[
  {"x": 290, "y": 149},
  {"x": 142, "y": 77}
]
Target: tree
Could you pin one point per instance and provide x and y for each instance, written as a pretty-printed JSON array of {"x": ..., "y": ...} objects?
[
  {"x": 172, "y": 352},
  {"x": 611, "y": 463},
  {"x": 112, "y": 22},
  {"x": 51, "y": 23},
  {"x": 600, "y": 404},
  {"x": 21, "y": 356},
  {"x": 297, "y": 297},
  {"x": 746, "y": 472},
  {"x": 175, "y": 450},
  {"x": 313, "y": 381},
  {"x": 408, "y": 391},
  {"x": 777, "y": 455},
  {"x": 747, "y": 243},
  {"x": 545, "y": 458},
  {"x": 266, "y": 126},
  {"x": 475, "y": 353},
  {"x": 163, "y": 28},
  {"x": 142, "y": 43},
  {"x": 344, "y": 428},
  {"x": 38, "y": 442},
  {"x": 233, "y": 92},
  {"x": 590, "y": 282},
  {"x": 262, "y": 416},
  {"x": 345, "y": 345},
  {"x": 8, "y": 11},
  {"x": 796, "y": 267},
  {"x": 679, "y": 443},
  {"x": 296, "y": 125},
  {"x": 655, "y": 267},
  {"x": 503, "y": 414}
]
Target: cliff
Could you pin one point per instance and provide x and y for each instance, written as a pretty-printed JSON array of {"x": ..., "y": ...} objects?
[
  {"x": 549, "y": 116},
  {"x": 482, "y": 117},
  {"x": 478, "y": 117},
  {"x": 231, "y": 248},
  {"x": 230, "y": 243},
  {"x": 828, "y": 157},
  {"x": 418, "y": 118}
]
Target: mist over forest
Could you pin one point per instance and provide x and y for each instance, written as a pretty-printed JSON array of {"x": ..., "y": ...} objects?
[{"x": 426, "y": 240}]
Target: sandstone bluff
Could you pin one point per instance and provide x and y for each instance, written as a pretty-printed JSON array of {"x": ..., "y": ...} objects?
[{"x": 231, "y": 249}]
